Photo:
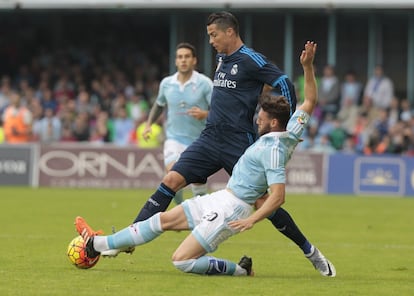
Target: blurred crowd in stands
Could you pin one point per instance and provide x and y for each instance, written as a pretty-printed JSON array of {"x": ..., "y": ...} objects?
[
  {"x": 353, "y": 117},
  {"x": 74, "y": 96}
]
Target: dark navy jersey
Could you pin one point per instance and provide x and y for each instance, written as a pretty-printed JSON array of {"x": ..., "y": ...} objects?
[{"x": 238, "y": 82}]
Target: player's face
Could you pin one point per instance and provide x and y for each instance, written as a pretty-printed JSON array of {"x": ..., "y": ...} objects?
[
  {"x": 218, "y": 38},
  {"x": 264, "y": 123},
  {"x": 184, "y": 60}
]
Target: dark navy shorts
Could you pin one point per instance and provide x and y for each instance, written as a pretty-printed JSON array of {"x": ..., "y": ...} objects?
[{"x": 217, "y": 147}]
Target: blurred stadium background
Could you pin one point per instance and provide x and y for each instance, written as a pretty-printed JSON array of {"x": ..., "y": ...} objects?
[{"x": 110, "y": 53}]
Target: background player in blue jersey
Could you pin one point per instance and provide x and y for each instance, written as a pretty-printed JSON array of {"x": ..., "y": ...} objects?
[
  {"x": 240, "y": 75},
  {"x": 187, "y": 96},
  {"x": 215, "y": 217}
]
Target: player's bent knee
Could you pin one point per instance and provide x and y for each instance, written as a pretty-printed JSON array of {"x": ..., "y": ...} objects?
[
  {"x": 174, "y": 180},
  {"x": 184, "y": 265}
]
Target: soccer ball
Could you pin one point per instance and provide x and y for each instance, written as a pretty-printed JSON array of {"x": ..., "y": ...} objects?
[{"x": 77, "y": 254}]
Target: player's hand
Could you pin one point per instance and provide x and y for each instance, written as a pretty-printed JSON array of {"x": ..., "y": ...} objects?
[
  {"x": 197, "y": 113},
  {"x": 308, "y": 53},
  {"x": 147, "y": 131},
  {"x": 241, "y": 225}
]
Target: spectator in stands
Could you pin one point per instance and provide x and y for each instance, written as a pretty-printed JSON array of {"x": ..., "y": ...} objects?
[
  {"x": 67, "y": 112},
  {"x": 394, "y": 111},
  {"x": 17, "y": 121},
  {"x": 123, "y": 126},
  {"x": 368, "y": 109},
  {"x": 137, "y": 108},
  {"x": 379, "y": 89},
  {"x": 48, "y": 101},
  {"x": 347, "y": 115},
  {"x": 371, "y": 144},
  {"x": 349, "y": 145},
  {"x": 338, "y": 135},
  {"x": 64, "y": 88},
  {"x": 5, "y": 90},
  {"x": 100, "y": 131},
  {"x": 328, "y": 91},
  {"x": 381, "y": 123},
  {"x": 351, "y": 90},
  {"x": 49, "y": 128},
  {"x": 323, "y": 145},
  {"x": 24, "y": 89},
  {"x": 310, "y": 136},
  {"x": 95, "y": 93},
  {"x": 80, "y": 128},
  {"x": 362, "y": 132},
  {"x": 24, "y": 78},
  {"x": 83, "y": 103},
  {"x": 326, "y": 127},
  {"x": 67, "y": 134},
  {"x": 406, "y": 112}
]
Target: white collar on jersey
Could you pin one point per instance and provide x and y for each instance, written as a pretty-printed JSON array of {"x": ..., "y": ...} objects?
[{"x": 193, "y": 78}]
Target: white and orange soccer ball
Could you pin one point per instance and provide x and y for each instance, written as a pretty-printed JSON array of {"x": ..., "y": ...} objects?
[{"x": 77, "y": 254}]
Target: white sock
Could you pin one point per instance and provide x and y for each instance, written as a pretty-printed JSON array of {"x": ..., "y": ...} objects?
[{"x": 100, "y": 243}]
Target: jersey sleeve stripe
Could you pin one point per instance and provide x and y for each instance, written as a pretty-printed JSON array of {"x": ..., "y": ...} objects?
[
  {"x": 274, "y": 158},
  {"x": 255, "y": 57},
  {"x": 284, "y": 87}
]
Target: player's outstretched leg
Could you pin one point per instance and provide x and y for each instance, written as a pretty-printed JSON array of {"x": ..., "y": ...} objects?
[
  {"x": 88, "y": 234},
  {"x": 158, "y": 202},
  {"x": 283, "y": 222}
]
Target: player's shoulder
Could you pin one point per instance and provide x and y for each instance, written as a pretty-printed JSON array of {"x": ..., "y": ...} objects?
[
  {"x": 202, "y": 80},
  {"x": 202, "y": 77},
  {"x": 169, "y": 79},
  {"x": 250, "y": 55}
]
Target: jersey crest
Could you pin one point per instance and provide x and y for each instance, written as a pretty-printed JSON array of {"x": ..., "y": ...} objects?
[{"x": 234, "y": 69}]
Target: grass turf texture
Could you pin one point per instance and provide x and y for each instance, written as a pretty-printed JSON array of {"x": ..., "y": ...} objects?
[{"x": 369, "y": 239}]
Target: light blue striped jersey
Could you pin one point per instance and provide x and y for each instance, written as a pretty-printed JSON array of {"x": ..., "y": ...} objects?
[
  {"x": 178, "y": 98},
  {"x": 264, "y": 162}
]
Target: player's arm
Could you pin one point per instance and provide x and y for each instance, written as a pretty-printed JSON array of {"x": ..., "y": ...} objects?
[
  {"x": 155, "y": 112},
  {"x": 310, "y": 88},
  {"x": 275, "y": 199}
]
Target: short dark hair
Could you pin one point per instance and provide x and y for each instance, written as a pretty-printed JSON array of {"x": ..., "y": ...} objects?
[
  {"x": 277, "y": 107},
  {"x": 188, "y": 46},
  {"x": 224, "y": 20}
]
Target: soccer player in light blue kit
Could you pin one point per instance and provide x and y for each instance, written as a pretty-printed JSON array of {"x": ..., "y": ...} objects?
[
  {"x": 187, "y": 96},
  {"x": 215, "y": 217}
]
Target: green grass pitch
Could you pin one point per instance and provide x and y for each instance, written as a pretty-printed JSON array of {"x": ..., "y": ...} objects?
[{"x": 369, "y": 239}]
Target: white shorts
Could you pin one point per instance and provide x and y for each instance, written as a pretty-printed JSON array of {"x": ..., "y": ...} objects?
[
  {"x": 172, "y": 151},
  {"x": 209, "y": 214}
]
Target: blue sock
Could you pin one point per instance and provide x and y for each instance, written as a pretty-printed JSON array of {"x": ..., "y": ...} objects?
[
  {"x": 158, "y": 202},
  {"x": 136, "y": 234},
  {"x": 213, "y": 266},
  {"x": 306, "y": 247}
]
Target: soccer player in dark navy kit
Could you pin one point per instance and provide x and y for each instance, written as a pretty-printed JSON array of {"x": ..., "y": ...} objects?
[{"x": 238, "y": 81}]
